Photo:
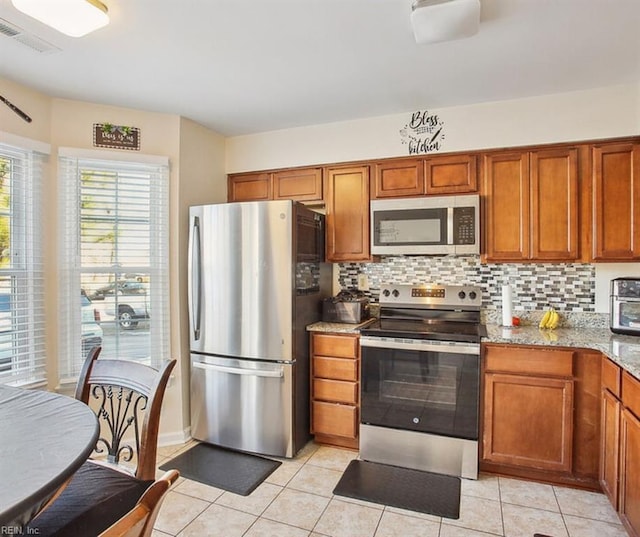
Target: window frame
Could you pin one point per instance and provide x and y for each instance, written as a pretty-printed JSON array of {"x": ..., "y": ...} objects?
[
  {"x": 71, "y": 162},
  {"x": 26, "y": 272}
]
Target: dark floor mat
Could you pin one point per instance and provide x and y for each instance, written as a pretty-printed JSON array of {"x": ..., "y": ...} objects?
[
  {"x": 224, "y": 468},
  {"x": 424, "y": 492}
]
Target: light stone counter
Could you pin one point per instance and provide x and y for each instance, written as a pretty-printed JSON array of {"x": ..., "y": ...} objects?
[
  {"x": 623, "y": 350},
  {"x": 338, "y": 328}
]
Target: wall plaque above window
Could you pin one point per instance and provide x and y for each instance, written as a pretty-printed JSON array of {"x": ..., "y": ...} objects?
[
  {"x": 423, "y": 133},
  {"x": 116, "y": 136}
]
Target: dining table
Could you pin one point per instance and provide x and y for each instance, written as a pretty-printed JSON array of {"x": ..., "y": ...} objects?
[{"x": 44, "y": 438}]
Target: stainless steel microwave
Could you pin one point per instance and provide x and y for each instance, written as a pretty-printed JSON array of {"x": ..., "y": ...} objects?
[
  {"x": 625, "y": 306},
  {"x": 437, "y": 225}
]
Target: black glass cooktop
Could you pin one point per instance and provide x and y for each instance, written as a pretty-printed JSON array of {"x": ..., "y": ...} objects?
[{"x": 426, "y": 329}]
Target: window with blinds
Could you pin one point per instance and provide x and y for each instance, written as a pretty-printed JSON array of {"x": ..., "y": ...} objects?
[
  {"x": 22, "y": 330},
  {"x": 114, "y": 288}
]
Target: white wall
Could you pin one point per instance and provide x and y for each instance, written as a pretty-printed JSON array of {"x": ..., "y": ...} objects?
[
  {"x": 582, "y": 115},
  {"x": 197, "y": 174},
  {"x": 605, "y": 272}
]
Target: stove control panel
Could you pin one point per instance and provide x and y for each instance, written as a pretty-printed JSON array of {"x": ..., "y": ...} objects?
[{"x": 454, "y": 296}]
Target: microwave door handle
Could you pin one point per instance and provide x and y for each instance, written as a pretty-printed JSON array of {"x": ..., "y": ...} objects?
[{"x": 450, "y": 226}]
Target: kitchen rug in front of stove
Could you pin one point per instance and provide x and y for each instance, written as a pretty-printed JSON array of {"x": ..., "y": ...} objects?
[{"x": 404, "y": 488}]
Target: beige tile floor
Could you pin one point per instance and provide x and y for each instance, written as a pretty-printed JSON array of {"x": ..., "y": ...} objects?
[{"x": 297, "y": 501}]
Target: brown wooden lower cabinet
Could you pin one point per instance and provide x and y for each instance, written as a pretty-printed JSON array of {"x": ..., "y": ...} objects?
[
  {"x": 528, "y": 421},
  {"x": 335, "y": 389},
  {"x": 620, "y": 445},
  {"x": 541, "y": 414},
  {"x": 629, "y": 506},
  {"x": 333, "y": 419},
  {"x": 610, "y": 454},
  {"x": 610, "y": 427}
]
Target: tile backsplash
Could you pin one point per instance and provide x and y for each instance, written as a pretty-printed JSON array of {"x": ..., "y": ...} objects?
[{"x": 567, "y": 287}]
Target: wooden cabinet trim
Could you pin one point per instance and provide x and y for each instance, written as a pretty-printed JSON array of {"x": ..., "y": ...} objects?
[
  {"x": 611, "y": 376},
  {"x": 339, "y": 346},
  {"x": 529, "y": 360},
  {"x": 631, "y": 393}
]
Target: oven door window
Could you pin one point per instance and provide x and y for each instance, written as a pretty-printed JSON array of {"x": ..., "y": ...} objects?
[
  {"x": 630, "y": 314},
  {"x": 430, "y": 392}
]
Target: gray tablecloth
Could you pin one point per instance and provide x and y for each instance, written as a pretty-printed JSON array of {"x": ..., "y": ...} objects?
[{"x": 44, "y": 439}]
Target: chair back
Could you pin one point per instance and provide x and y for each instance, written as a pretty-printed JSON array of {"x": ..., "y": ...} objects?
[{"x": 128, "y": 398}]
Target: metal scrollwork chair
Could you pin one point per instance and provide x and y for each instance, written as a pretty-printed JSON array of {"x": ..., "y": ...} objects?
[{"x": 103, "y": 496}]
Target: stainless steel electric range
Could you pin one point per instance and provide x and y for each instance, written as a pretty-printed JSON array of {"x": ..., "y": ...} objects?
[{"x": 420, "y": 379}]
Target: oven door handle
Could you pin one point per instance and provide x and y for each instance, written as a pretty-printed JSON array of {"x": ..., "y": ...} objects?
[{"x": 420, "y": 345}]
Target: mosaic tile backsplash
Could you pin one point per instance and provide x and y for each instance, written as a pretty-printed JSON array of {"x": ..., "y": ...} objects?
[{"x": 569, "y": 288}]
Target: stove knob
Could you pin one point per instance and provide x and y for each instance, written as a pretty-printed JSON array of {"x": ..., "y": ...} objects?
[
  {"x": 386, "y": 292},
  {"x": 462, "y": 295},
  {"x": 472, "y": 295},
  {"x": 396, "y": 293}
]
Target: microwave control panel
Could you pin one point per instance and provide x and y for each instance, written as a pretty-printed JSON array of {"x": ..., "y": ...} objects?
[{"x": 464, "y": 225}]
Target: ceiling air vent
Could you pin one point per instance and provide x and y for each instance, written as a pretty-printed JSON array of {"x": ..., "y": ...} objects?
[
  {"x": 8, "y": 29},
  {"x": 19, "y": 35}
]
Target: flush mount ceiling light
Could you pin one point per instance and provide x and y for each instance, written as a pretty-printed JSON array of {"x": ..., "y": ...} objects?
[
  {"x": 444, "y": 20},
  {"x": 71, "y": 17}
]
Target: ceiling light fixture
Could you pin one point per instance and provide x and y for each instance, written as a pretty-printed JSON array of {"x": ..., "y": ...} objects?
[
  {"x": 444, "y": 20},
  {"x": 71, "y": 17}
]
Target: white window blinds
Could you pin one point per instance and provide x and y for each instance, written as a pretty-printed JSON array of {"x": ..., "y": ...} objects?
[
  {"x": 114, "y": 288},
  {"x": 22, "y": 329}
]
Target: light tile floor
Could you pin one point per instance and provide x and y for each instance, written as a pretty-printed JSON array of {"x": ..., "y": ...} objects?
[{"x": 297, "y": 501}]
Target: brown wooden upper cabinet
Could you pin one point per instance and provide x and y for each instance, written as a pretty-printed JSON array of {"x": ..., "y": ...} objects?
[
  {"x": 451, "y": 174},
  {"x": 249, "y": 187},
  {"x": 301, "y": 184},
  {"x": 347, "y": 210},
  {"x": 454, "y": 174},
  {"x": 616, "y": 202},
  {"x": 531, "y": 205},
  {"x": 398, "y": 178}
]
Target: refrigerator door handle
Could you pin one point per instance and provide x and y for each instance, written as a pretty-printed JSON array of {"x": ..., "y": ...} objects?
[
  {"x": 237, "y": 371},
  {"x": 195, "y": 282}
]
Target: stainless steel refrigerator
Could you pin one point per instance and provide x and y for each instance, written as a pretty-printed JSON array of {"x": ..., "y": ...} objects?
[{"x": 256, "y": 280}]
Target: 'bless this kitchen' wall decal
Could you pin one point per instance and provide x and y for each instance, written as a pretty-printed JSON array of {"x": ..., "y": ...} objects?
[{"x": 424, "y": 133}]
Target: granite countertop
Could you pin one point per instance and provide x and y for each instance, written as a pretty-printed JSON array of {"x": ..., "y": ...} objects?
[
  {"x": 623, "y": 350},
  {"x": 340, "y": 328}
]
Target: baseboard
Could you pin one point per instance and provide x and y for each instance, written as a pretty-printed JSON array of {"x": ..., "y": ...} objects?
[{"x": 174, "y": 438}]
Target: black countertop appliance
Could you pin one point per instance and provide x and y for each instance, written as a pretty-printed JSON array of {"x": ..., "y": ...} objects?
[{"x": 348, "y": 306}]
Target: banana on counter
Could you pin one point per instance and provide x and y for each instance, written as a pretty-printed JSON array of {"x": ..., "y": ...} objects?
[{"x": 550, "y": 319}]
